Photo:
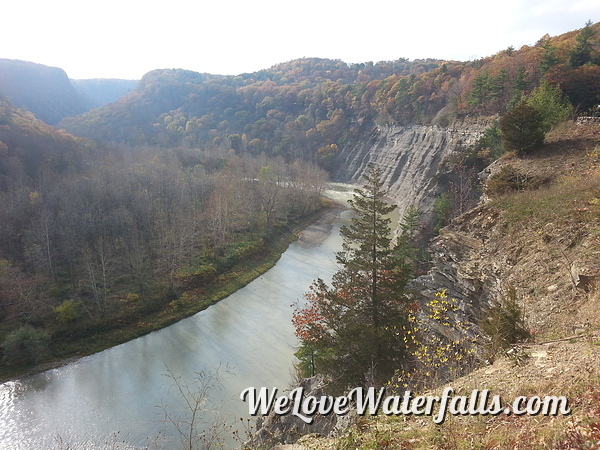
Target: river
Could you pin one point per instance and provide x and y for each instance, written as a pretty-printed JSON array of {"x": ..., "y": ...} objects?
[{"x": 118, "y": 398}]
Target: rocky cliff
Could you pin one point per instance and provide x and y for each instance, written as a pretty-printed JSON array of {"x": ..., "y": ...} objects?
[
  {"x": 410, "y": 158},
  {"x": 542, "y": 243}
]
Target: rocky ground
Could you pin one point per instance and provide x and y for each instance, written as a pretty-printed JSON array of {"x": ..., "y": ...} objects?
[
  {"x": 544, "y": 243},
  {"x": 560, "y": 368}
]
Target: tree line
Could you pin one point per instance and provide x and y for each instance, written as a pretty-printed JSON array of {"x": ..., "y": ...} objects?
[
  {"x": 90, "y": 233},
  {"x": 302, "y": 108}
]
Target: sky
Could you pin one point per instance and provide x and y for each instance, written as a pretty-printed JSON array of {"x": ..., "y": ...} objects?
[{"x": 128, "y": 38}]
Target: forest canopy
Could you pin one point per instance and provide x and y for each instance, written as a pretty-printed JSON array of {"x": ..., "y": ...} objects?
[
  {"x": 141, "y": 204},
  {"x": 301, "y": 108},
  {"x": 95, "y": 237}
]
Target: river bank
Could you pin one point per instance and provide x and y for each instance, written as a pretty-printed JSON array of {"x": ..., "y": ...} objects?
[
  {"x": 119, "y": 396},
  {"x": 310, "y": 230}
]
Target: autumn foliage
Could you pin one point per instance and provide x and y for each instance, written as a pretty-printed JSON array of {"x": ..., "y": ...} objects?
[
  {"x": 303, "y": 108},
  {"x": 352, "y": 330}
]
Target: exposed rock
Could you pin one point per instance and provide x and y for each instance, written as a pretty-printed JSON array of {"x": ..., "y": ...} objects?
[
  {"x": 409, "y": 157},
  {"x": 461, "y": 266},
  {"x": 552, "y": 266},
  {"x": 275, "y": 430}
]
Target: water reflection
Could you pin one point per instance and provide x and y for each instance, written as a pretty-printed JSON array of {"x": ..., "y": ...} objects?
[{"x": 115, "y": 396}]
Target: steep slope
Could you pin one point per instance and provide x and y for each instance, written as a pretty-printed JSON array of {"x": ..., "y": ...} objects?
[
  {"x": 410, "y": 158},
  {"x": 310, "y": 108},
  {"x": 33, "y": 153},
  {"x": 545, "y": 244},
  {"x": 49, "y": 94},
  {"x": 542, "y": 242},
  {"x": 100, "y": 91},
  {"x": 556, "y": 368},
  {"x": 45, "y": 91}
]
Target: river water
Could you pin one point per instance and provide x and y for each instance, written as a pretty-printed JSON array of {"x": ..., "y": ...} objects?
[{"x": 118, "y": 398}]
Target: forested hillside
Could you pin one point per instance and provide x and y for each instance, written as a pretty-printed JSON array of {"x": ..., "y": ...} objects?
[
  {"x": 191, "y": 175},
  {"x": 102, "y": 91},
  {"x": 45, "y": 91},
  {"x": 311, "y": 107},
  {"x": 48, "y": 93},
  {"x": 94, "y": 240}
]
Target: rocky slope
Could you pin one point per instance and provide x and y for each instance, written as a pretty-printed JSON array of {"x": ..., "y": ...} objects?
[
  {"x": 545, "y": 245},
  {"x": 542, "y": 243},
  {"x": 410, "y": 158}
]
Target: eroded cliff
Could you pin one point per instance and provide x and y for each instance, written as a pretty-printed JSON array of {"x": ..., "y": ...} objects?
[
  {"x": 541, "y": 243},
  {"x": 410, "y": 158}
]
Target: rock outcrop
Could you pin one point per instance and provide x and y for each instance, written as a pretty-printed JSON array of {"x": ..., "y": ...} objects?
[
  {"x": 287, "y": 429},
  {"x": 465, "y": 264},
  {"x": 410, "y": 158},
  {"x": 549, "y": 260}
]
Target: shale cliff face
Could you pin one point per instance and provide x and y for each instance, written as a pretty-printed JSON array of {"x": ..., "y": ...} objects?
[
  {"x": 410, "y": 158},
  {"x": 543, "y": 243}
]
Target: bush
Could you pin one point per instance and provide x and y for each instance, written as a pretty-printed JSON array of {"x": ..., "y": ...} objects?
[
  {"x": 505, "y": 324},
  {"x": 509, "y": 179},
  {"x": 553, "y": 105},
  {"x": 491, "y": 142},
  {"x": 443, "y": 211},
  {"x": 25, "y": 345},
  {"x": 242, "y": 250},
  {"x": 67, "y": 311},
  {"x": 199, "y": 276}
]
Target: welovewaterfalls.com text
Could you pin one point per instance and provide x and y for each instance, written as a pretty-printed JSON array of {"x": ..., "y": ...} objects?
[{"x": 375, "y": 401}]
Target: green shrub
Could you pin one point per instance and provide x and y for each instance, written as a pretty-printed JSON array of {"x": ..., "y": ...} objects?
[
  {"x": 67, "y": 311},
  {"x": 491, "y": 142},
  {"x": 242, "y": 250},
  {"x": 523, "y": 129},
  {"x": 199, "y": 276},
  {"x": 504, "y": 324},
  {"x": 443, "y": 211},
  {"x": 25, "y": 345},
  {"x": 552, "y": 103}
]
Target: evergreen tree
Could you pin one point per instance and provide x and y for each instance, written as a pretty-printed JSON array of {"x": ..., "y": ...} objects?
[
  {"x": 355, "y": 327},
  {"x": 549, "y": 58},
  {"x": 522, "y": 129},
  {"x": 552, "y": 104},
  {"x": 582, "y": 52},
  {"x": 480, "y": 91},
  {"x": 519, "y": 86},
  {"x": 411, "y": 221},
  {"x": 442, "y": 210}
]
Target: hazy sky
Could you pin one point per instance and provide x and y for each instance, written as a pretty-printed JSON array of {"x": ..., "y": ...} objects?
[{"x": 127, "y": 38}]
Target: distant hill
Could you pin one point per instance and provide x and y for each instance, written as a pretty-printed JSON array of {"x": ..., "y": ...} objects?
[
  {"x": 45, "y": 91},
  {"x": 49, "y": 94},
  {"x": 32, "y": 153},
  {"x": 311, "y": 107},
  {"x": 102, "y": 91},
  {"x": 287, "y": 109}
]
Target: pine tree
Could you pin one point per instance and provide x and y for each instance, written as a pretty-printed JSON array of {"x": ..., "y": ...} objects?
[
  {"x": 550, "y": 57},
  {"x": 522, "y": 129},
  {"x": 582, "y": 52},
  {"x": 355, "y": 327}
]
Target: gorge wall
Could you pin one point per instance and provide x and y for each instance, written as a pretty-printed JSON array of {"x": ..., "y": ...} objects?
[{"x": 409, "y": 157}]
